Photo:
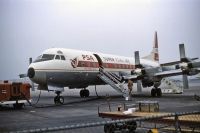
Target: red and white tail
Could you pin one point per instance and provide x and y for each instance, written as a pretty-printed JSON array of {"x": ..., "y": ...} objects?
[{"x": 154, "y": 55}]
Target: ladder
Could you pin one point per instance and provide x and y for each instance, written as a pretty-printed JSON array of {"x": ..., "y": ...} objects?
[
  {"x": 114, "y": 81},
  {"x": 173, "y": 86}
]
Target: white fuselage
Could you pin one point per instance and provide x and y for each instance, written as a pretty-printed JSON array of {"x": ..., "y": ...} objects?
[{"x": 78, "y": 69}]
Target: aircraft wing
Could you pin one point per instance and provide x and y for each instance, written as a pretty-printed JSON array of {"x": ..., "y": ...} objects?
[
  {"x": 168, "y": 73},
  {"x": 175, "y": 62}
]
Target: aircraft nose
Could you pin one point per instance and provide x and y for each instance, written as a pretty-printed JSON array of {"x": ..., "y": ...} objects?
[{"x": 31, "y": 72}]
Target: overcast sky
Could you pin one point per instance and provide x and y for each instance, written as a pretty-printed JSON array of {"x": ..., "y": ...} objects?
[{"x": 27, "y": 27}]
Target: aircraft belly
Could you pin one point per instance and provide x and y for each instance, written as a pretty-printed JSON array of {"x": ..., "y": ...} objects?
[{"x": 66, "y": 79}]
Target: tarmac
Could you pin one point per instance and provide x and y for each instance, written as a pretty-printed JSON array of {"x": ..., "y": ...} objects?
[{"x": 85, "y": 110}]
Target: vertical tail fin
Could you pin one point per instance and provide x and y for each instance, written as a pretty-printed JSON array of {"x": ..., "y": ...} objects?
[{"x": 154, "y": 55}]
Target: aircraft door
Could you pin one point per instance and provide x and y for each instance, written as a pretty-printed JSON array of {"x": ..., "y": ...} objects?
[{"x": 99, "y": 60}]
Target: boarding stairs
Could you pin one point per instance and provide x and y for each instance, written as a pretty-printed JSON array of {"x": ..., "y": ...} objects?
[
  {"x": 114, "y": 81},
  {"x": 171, "y": 86}
]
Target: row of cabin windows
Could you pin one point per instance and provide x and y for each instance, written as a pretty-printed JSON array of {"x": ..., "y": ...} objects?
[
  {"x": 88, "y": 64},
  {"x": 120, "y": 66},
  {"x": 106, "y": 65}
]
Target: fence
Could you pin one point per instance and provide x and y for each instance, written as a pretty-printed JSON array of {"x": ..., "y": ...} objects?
[{"x": 125, "y": 125}]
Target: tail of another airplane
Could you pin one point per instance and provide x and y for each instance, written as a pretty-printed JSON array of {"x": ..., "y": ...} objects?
[{"x": 154, "y": 55}]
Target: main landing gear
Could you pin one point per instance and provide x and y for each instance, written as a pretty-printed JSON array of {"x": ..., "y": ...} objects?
[
  {"x": 84, "y": 93},
  {"x": 58, "y": 99},
  {"x": 156, "y": 92}
]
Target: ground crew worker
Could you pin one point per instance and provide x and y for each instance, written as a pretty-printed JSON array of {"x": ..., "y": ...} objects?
[{"x": 130, "y": 86}]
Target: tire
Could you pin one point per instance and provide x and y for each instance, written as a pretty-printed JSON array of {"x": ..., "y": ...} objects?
[
  {"x": 81, "y": 93},
  {"x": 111, "y": 128},
  {"x": 61, "y": 100},
  {"x": 106, "y": 126},
  {"x": 18, "y": 105},
  {"x": 153, "y": 92},
  {"x": 56, "y": 100},
  {"x": 87, "y": 93},
  {"x": 131, "y": 126},
  {"x": 149, "y": 131},
  {"x": 159, "y": 92}
]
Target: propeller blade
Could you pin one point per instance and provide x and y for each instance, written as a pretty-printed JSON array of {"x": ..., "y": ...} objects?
[
  {"x": 137, "y": 58},
  {"x": 195, "y": 64},
  {"x": 185, "y": 82},
  {"x": 32, "y": 86},
  {"x": 23, "y": 75},
  {"x": 30, "y": 60},
  {"x": 139, "y": 86},
  {"x": 32, "y": 83},
  {"x": 182, "y": 52}
]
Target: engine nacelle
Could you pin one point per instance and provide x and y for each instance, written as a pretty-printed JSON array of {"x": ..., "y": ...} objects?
[
  {"x": 138, "y": 72},
  {"x": 184, "y": 66},
  {"x": 190, "y": 72}
]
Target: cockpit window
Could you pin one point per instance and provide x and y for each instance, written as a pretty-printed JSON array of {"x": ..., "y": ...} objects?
[
  {"x": 57, "y": 57},
  {"x": 62, "y": 57},
  {"x": 45, "y": 57}
]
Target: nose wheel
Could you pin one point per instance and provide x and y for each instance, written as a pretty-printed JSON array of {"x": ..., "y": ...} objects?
[
  {"x": 84, "y": 93},
  {"x": 58, "y": 100}
]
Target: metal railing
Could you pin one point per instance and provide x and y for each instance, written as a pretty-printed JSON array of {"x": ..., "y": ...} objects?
[{"x": 84, "y": 126}]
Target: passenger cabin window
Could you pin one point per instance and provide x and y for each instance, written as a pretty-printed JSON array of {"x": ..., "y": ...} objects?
[{"x": 45, "y": 57}]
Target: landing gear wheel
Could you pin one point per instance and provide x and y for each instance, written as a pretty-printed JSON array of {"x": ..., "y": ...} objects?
[
  {"x": 84, "y": 93},
  {"x": 109, "y": 128},
  {"x": 59, "y": 100},
  {"x": 153, "y": 92},
  {"x": 87, "y": 93},
  {"x": 18, "y": 105},
  {"x": 81, "y": 93},
  {"x": 131, "y": 126},
  {"x": 159, "y": 92}
]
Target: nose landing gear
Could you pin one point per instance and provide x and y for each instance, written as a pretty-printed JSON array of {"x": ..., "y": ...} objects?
[{"x": 58, "y": 100}]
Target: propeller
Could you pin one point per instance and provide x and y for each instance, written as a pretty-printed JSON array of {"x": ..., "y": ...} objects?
[
  {"x": 25, "y": 76},
  {"x": 139, "y": 86},
  {"x": 183, "y": 65},
  {"x": 187, "y": 65},
  {"x": 182, "y": 52},
  {"x": 139, "y": 71},
  {"x": 32, "y": 83}
]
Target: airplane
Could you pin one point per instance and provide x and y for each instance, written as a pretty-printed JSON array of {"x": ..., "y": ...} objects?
[{"x": 61, "y": 67}]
